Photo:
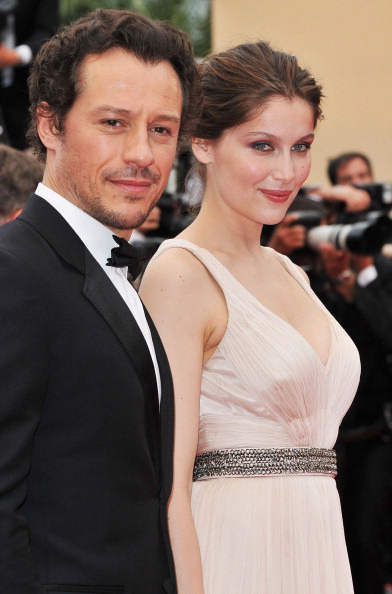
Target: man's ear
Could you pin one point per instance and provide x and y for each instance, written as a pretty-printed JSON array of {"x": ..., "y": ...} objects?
[
  {"x": 202, "y": 149},
  {"x": 45, "y": 126}
]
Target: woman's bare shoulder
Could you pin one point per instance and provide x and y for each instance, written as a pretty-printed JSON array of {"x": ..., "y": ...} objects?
[
  {"x": 288, "y": 262},
  {"x": 178, "y": 277},
  {"x": 174, "y": 267},
  {"x": 177, "y": 289}
]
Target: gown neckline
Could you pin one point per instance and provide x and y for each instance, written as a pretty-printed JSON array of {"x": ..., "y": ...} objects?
[{"x": 299, "y": 280}]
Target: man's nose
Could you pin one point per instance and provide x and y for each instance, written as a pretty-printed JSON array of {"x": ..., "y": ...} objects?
[{"x": 137, "y": 149}]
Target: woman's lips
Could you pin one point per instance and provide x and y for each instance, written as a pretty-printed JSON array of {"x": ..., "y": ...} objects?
[{"x": 277, "y": 195}]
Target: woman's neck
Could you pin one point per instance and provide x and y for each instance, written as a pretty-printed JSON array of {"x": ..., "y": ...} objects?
[{"x": 222, "y": 230}]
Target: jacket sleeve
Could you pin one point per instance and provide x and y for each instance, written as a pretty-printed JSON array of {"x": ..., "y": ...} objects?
[
  {"x": 374, "y": 301},
  {"x": 23, "y": 376}
]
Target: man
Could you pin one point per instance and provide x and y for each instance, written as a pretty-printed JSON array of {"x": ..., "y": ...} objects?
[
  {"x": 359, "y": 295},
  {"x": 85, "y": 444},
  {"x": 350, "y": 168},
  {"x": 19, "y": 175}
]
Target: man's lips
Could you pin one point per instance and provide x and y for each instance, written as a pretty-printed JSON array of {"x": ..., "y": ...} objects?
[
  {"x": 131, "y": 186},
  {"x": 277, "y": 195}
]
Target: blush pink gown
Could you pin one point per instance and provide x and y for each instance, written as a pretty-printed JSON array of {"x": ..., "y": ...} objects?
[{"x": 266, "y": 387}]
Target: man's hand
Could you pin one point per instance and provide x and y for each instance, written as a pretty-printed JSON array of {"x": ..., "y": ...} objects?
[
  {"x": 355, "y": 199},
  {"x": 287, "y": 236},
  {"x": 341, "y": 268},
  {"x": 8, "y": 57}
]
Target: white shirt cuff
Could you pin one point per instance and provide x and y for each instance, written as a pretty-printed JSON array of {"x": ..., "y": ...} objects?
[
  {"x": 367, "y": 275},
  {"x": 25, "y": 54}
]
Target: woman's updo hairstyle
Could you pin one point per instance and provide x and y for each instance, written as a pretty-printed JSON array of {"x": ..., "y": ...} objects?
[{"x": 237, "y": 83}]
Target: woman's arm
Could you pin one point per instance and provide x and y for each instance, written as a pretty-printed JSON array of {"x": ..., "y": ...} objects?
[{"x": 181, "y": 297}]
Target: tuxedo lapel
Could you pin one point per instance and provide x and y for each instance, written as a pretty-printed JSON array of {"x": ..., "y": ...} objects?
[
  {"x": 100, "y": 291},
  {"x": 98, "y": 288},
  {"x": 54, "y": 228},
  {"x": 167, "y": 409}
]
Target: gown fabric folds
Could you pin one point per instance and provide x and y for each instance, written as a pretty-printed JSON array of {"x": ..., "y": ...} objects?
[{"x": 266, "y": 387}]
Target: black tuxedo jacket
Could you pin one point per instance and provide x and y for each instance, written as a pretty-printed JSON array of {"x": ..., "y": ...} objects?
[{"x": 85, "y": 453}]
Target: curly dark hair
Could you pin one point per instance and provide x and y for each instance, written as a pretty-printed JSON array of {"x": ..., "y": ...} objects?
[{"x": 54, "y": 77}]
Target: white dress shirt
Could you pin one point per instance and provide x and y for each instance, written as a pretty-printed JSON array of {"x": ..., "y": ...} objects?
[{"x": 99, "y": 241}]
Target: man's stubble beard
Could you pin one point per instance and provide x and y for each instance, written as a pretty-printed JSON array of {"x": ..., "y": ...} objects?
[
  {"x": 94, "y": 207},
  {"x": 112, "y": 219}
]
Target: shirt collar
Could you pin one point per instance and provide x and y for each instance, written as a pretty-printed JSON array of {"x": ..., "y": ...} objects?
[{"x": 97, "y": 238}]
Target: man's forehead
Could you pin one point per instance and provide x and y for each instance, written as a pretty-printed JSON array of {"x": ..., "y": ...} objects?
[{"x": 121, "y": 56}]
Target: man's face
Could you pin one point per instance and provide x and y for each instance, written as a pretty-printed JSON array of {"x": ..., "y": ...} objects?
[
  {"x": 355, "y": 171},
  {"x": 119, "y": 141}
]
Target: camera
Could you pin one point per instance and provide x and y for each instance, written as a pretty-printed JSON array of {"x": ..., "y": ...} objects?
[
  {"x": 365, "y": 237},
  {"x": 361, "y": 233}
]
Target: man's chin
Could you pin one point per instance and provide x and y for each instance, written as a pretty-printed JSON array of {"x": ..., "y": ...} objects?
[
  {"x": 120, "y": 220},
  {"x": 125, "y": 223}
]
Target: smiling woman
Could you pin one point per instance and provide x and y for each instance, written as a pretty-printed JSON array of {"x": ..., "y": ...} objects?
[
  {"x": 262, "y": 373},
  {"x": 264, "y": 161}
]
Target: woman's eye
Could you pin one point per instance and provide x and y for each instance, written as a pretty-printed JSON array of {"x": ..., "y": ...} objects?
[
  {"x": 301, "y": 147},
  {"x": 261, "y": 146}
]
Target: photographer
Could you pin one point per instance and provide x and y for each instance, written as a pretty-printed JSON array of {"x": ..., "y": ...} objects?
[
  {"x": 359, "y": 295},
  {"x": 24, "y": 26},
  {"x": 357, "y": 289},
  {"x": 20, "y": 174}
]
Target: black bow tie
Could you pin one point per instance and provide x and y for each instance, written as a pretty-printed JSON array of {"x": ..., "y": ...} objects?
[{"x": 128, "y": 255}]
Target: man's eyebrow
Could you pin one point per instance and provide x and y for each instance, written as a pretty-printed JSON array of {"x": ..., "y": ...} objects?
[
  {"x": 169, "y": 118},
  {"x": 118, "y": 111}
]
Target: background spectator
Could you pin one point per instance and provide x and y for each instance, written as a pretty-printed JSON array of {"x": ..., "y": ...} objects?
[
  {"x": 24, "y": 26},
  {"x": 20, "y": 174}
]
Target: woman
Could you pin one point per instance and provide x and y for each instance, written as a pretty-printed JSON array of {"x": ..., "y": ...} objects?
[{"x": 262, "y": 373}]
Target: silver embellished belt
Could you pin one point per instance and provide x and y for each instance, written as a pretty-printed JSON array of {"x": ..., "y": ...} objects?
[{"x": 264, "y": 462}]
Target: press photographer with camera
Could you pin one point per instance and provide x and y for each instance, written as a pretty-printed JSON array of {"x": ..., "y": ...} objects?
[
  {"x": 289, "y": 236},
  {"x": 354, "y": 281},
  {"x": 24, "y": 26}
]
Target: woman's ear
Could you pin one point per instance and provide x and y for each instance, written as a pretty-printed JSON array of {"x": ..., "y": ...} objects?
[{"x": 202, "y": 149}]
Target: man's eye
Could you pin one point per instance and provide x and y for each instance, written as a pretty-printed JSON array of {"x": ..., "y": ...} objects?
[
  {"x": 112, "y": 123},
  {"x": 161, "y": 130}
]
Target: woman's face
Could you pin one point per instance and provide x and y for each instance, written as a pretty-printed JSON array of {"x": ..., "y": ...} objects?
[{"x": 256, "y": 169}]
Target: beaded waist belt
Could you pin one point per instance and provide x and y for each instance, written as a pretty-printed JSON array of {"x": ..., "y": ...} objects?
[{"x": 263, "y": 462}]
